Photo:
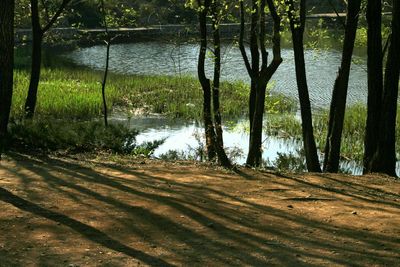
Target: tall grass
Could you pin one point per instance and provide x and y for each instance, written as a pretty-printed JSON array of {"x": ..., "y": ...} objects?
[
  {"x": 76, "y": 94},
  {"x": 353, "y": 132}
]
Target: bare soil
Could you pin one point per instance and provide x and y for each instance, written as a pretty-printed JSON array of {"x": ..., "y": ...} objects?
[{"x": 82, "y": 211}]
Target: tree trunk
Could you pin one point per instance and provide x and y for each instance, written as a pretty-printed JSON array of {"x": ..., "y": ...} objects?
[
  {"x": 339, "y": 95},
  {"x": 205, "y": 83},
  {"x": 255, "y": 149},
  {"x": 254, "y": 157},
  {"x": 375, "y": 81},
  {"x": 30, "y": 103},
  {"x": 297, "y": 28},
  {"x": 6, "y": 66},
  {"x": 384, "y": 160},
  {"x": 104, "y": 82},
  {"x": 38, "y": 34},
  {"x": 259, "y": 76},
  {"x": 219, "y": 142}
]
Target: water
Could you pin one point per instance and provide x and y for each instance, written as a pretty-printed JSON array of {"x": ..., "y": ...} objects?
[
  {"x": 155, "y": 58},
  {"x": 185, "y": 136}
]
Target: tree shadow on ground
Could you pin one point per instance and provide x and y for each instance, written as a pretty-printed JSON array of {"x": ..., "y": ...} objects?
[{"x": 194, "y": 221}]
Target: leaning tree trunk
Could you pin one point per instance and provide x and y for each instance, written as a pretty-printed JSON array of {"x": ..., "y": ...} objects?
[
  {"x": 384, "y": 160},
  {"x": 297, "y": 26},
  {"x": 375, "y": 81},
  {"x": 6, "y": 66},
  {"x": 205, "y": 83},
  {"x": 219, "y": 141},
  {"x": 339, "y": 95}
]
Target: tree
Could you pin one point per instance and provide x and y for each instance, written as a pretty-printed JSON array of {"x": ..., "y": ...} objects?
[
  {"x": 108, "y": 44},
  {"x": 216, "y": 15},
  {"x": 38, "y": 33},
  {"x": 297, "y": 19},
  {"x": 6, "y": 65},
  {"x": 339, "y": 94},
  {"x": 384, "y": 158},
  {"x": 260, "y": 76},
  {"x": 375, "y": 80},
  {"x": 214, "y": 139}
]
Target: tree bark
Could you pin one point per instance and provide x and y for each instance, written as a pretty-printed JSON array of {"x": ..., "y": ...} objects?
[
  {"x": 339, "y": 94},
  {"x": 259, "y": 76},
  {"x": 6, "y": 66},
  {"x": 104, "y": 82},
  {"x": 219, "y": 141},
  {"x": 205, "y": 83},
  {"x": 384, "y": 160},
  {"x": 375, "y": 81},
  {"x": 297, "y": 26},
  {"x": 38, "y": 33}
]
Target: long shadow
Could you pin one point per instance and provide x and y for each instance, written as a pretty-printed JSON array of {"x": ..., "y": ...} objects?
[
  {"x": 87, "y": 231},
  {"x": 87, "y": 175},
  {"x": 160, "y": 222},
  {"x": 218, "y": 209}
]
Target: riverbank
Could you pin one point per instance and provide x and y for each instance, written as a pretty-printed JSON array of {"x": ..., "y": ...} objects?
[
  {"x": 85, "y": 210},
  {"x": 67, "y": 96}
]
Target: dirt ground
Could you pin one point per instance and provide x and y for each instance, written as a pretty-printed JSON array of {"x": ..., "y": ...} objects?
[{"x": 65, "y": 211}]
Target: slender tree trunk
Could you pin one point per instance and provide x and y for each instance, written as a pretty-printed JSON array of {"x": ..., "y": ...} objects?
[
  {"x": 259, "y": 76},
  {"x": 30, "y": 103},
  {"x": 205, "y": 83},
  {"x": 297, "y": 28},
  {"x": 6, "y": 66},
  {"x": 384, "y": 160},
  {"x": 104, "y": 82},
  {"x": 255, "y": 63},
  {"x": 375, "y": 81},
  {"x": 219, "y": 142},
  {"x": 255, "y": 118},
  {"x": 38, "y": 34},
  {"x": 339, "y": 95}
]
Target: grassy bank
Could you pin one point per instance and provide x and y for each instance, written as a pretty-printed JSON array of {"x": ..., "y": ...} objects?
[
  {"x": 76, "y": 94},
  {"x": 352, "y": 148}
]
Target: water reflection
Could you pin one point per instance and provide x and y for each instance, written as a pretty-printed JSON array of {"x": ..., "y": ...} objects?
[{"x": 183, "y": 136}]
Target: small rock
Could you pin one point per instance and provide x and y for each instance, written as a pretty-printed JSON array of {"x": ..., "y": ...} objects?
[
  {"x": 153, "y": 246},
  {"x": 290, "y": 206},
  {"x": 354, "y": 212}
]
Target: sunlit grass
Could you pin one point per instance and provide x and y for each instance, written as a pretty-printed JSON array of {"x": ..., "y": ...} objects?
[{"x": 76, "y": 94}]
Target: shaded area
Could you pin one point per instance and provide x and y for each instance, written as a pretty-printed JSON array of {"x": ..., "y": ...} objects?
[
  {"x": 85, "y": 230},
  {"x": 176, "y": 214}
]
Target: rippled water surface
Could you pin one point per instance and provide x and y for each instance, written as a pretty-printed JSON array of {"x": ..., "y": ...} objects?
[{"x": 170, "y": 59}]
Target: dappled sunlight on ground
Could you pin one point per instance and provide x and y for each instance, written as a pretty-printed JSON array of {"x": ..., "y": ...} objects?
[{"x": 86, "y": 212}]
